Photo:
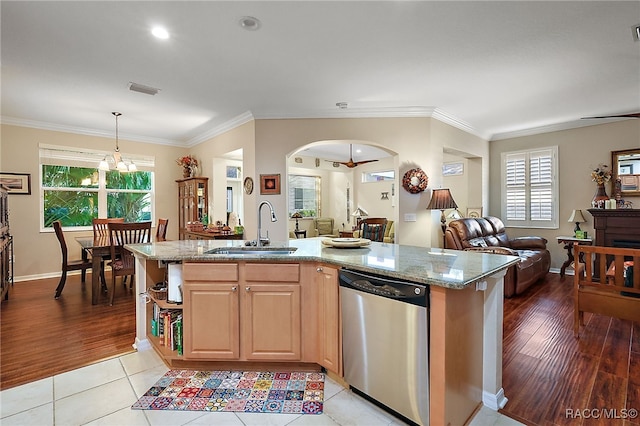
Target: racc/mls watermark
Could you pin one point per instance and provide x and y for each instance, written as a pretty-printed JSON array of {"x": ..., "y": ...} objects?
[{"x": 601, "y": 413}]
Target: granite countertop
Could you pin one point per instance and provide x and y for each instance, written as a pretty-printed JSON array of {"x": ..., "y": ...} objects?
[{"x": 433, "y": 266}]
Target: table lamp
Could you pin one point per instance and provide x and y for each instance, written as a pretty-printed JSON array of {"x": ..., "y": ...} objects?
[
  {"x": 296, "y": 216},
  {"x": 359, "y": 213},
  {"x": 577, "y": 218},
  {"x": 442, "y": 200}
]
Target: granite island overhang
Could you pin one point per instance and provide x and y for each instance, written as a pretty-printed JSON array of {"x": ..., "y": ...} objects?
[
  {"x": 432, "y": 266},
  {"x": 465, "y": 306}
]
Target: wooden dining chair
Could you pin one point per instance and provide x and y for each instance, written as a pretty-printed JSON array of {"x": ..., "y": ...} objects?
[
  {"x": 373, "y": 228},
  {"x": 122, "y": 260},
  {"x": 101, "y": 230},
  {"x": 161, "y": 229},
  {"x": 101, "y": 226},
  {"x": 69, "y": 265}
]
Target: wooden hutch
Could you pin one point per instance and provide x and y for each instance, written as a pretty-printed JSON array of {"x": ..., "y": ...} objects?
[
  {"x": 193, "y": 201},
  {"x": 6, "y": 247}
]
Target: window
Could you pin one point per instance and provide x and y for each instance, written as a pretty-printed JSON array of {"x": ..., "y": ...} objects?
[
  {"x": 530, "y": 192},
  {"x": 380, "y": 176},
  {"x": 74, "y": 191},
  {"x": 304, "y": 195}
]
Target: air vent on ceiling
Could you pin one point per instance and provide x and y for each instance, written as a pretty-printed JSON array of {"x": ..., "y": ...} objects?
[{"x": 147, "y": 90}]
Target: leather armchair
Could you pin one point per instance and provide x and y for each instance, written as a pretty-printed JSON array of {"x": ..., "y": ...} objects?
[{"x": 489, "y": 235}]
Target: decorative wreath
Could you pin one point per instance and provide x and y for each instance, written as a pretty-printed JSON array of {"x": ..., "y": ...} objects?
[{"x": 415, "y": 180}]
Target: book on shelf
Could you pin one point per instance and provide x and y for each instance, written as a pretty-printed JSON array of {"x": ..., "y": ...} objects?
[{"x": 166, "y": 324}]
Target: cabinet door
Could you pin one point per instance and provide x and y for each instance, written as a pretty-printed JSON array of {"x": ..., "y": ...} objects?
[
  {"x": 211, "y": 323},
  {"x": 330, "y": 325},
  {"x": 271, "y": 322}
]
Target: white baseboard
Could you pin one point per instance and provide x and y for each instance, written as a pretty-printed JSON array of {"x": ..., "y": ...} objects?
[
  {"x": 495, "y": 402},
  {"x": 141, "y": 345}
]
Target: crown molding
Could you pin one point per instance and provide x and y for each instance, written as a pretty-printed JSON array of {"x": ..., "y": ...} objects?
[
  {"x": 351, "y": 112},
  {"x": 237, "y": 121},
  {"x": 390, "y": 112},
  {"x": 446, "y": 118},
  {"x": 384, "y": 112},
  {"x": 41, "y": 125},
  {"x": 568, "y": 125}
]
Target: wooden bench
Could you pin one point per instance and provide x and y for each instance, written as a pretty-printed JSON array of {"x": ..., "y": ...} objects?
[{"x": 599, "y": 283}]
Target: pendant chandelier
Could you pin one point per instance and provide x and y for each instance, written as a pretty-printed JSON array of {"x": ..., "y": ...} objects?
[{"x": 117, "y": 157}]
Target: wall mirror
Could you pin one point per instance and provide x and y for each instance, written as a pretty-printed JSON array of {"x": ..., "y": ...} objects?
[{"x": 626, "y": 166}]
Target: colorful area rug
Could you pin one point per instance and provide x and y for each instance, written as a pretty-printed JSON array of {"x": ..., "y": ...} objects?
[{"x": 244, "y": 391}]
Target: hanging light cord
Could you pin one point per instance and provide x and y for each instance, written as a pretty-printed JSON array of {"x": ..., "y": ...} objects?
[{"x": 117, "y": 114}]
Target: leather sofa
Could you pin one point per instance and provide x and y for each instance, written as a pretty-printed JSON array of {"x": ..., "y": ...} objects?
[{"x": 488, "y": 235}]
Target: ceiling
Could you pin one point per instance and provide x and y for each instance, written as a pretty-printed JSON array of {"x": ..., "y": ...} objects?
[{"x": 493, "y": 69}]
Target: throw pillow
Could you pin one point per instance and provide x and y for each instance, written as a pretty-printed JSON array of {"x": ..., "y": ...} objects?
[
  {"x": 372, "y": 232},
  {"x": 324, "y": 227}
]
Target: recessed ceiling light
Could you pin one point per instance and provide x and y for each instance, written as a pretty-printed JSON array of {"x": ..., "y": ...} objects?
[
  {"x": 160, "y": 33},
  {"x": 249, "y": 23},
  {"x": 636, "y": 33}
]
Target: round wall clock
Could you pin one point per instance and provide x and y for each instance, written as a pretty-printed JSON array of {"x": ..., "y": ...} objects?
[
  {"x": 415, "y": 181},
  {"x": 248, "y": 185}
]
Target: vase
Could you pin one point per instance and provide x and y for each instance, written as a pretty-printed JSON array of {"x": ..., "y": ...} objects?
[
  {"x": 193, "y": 170},
  {"x": 186, "y": 171},
  {"x": 600, "y": 196}
]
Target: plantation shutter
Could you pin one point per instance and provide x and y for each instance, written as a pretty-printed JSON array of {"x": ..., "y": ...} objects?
[
  {"x": 530, "y": 188},
  {"x": 541, "y": 173},
  {"x": 516, "y": 200}
]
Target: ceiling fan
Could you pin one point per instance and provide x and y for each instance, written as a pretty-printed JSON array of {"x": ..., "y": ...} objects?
[
  {"x": 630, "y": 115},
  {"x": 351, "y": 164}
]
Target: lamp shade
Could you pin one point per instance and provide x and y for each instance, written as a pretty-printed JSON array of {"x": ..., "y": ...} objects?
[
  {"x": 441, "y": 199},
  {"x": 576, "y": 216},
  {"x": 359, "y": 212},
  {"x": 296, "y": 215},
  {"x": 455, "y": 214}
]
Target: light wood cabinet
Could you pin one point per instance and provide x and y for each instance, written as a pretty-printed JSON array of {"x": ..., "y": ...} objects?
[
  {"x": 270, "y": 317},
  {"x": 193, "y": 201},
  {"x": 211, "y": 328},
  {"x": 242, "y": 311},
  {"x": 330, "y": 326}
]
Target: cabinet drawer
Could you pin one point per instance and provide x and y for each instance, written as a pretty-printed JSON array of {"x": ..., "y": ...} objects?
[
  {"x": 210, "y": 272},
  {"x": 272, "y": 272}
]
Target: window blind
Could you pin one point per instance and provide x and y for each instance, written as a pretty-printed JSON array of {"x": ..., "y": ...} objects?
[{"x": 530, "y": 188}]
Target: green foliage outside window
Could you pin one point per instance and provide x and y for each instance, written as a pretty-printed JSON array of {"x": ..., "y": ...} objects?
[{"x": 71, "y": 195}]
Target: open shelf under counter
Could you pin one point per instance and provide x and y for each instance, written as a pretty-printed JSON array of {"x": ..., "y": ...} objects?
[
  {"x": 165, "y": 352},
  {"x": 163, "y": 304}
]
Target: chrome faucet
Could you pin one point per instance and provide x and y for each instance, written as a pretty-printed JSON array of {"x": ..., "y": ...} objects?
[{"x": 273, "y": 219}]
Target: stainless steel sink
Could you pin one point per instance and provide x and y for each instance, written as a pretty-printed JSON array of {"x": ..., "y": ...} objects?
[{"x": 254, "y": 251}]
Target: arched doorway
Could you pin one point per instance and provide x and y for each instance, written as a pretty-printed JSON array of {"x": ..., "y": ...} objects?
[{"x": 316, "y": 176}]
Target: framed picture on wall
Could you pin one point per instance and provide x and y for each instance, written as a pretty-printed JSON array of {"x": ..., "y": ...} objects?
[
  {"x": 16, "y": 183},
  {"x": 474, "y": 212},
  {"x": 270, "y": 184}
]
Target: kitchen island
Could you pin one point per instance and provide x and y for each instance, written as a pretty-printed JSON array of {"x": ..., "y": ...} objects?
[{"x": 465, "y": 307}]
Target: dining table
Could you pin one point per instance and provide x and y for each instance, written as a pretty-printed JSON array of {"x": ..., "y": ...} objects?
[{"x": 99, "y": 247}]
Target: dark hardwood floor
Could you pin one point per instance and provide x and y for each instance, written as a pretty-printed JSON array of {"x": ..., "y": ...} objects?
[
  {"x": 549, "y": 376},
  {"x": 552, "y": 378},
  {"x": 41, "y": 336}
]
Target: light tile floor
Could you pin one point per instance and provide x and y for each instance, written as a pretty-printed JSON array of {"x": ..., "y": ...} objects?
[{"x": 102, "y": 394}]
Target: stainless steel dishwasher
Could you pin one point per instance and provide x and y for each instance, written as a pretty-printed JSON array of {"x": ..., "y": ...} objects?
[{"x": 385, "y": 342}]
